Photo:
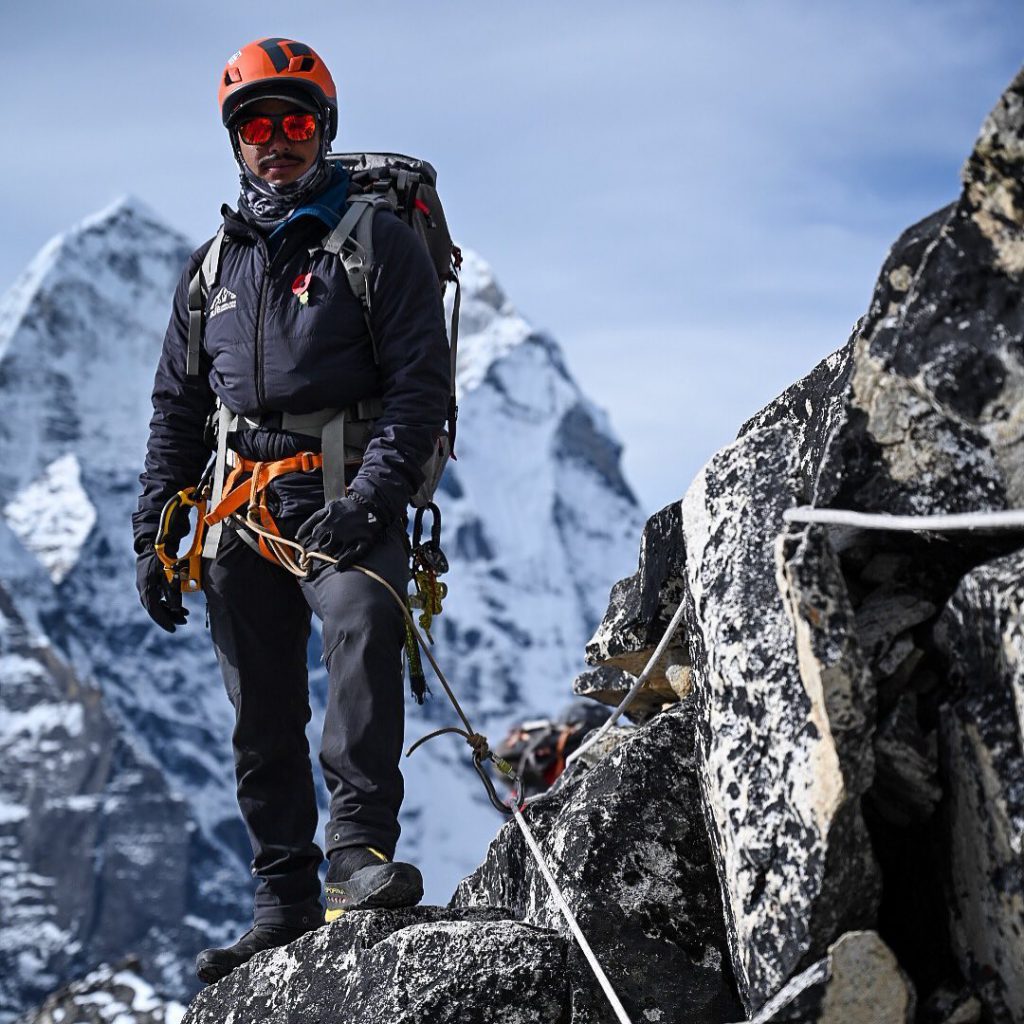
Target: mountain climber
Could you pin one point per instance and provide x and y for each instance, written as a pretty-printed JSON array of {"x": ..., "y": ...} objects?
[
  {"x": 538, "y": 747},
  {"x": 285, "y": 336}
]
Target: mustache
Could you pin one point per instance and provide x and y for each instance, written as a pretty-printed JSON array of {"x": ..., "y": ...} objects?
[{"x": 274, "y": 158}]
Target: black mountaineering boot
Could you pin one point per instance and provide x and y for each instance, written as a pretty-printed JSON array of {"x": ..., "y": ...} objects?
[
  {"x": 362, "y": 878},
  {"x": 214, "y": 964}
]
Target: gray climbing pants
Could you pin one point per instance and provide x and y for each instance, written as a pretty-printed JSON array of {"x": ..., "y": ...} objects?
[{"x": 260, "y": 624}]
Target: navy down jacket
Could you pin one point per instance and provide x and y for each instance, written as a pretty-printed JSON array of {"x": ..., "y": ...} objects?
[{"x": 266, "y": 352}]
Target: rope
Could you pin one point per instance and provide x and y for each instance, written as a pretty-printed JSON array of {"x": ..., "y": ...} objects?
[
  {"x": 570, "y": 918},
  {"x": 1009, "y": 519},
  {"x": 634, "y": 689},
  {"x": 282, "y": 548}
]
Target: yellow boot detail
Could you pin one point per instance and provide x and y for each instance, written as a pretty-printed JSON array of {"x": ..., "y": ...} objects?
[{"x": 332, "y": 914}]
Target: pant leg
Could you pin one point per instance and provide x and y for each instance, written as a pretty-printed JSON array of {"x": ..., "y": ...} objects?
[
  {"x": 364, "y": 724},
  {"x": 259, "y": 622}
]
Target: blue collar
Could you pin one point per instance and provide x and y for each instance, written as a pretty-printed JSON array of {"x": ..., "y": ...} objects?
[{"x": 328, "y": 205}]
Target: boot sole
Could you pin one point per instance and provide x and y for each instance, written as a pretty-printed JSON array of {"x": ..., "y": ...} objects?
[{"x": 382, "y": 887}]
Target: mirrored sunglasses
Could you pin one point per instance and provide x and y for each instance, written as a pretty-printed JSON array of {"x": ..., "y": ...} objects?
[{"x": 258, "y": 130}]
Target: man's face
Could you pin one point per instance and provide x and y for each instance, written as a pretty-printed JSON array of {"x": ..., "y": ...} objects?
[{"x": 279, "y": 161}]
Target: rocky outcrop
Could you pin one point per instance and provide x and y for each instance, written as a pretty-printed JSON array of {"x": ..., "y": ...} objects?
[
  {"x": 794, "y": 658},
  {"x": 401, "y": 967}
]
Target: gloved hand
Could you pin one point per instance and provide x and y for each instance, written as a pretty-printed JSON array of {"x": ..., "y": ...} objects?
[
  {"x": 346, "y": 529},
  {"x": 160, "y": 597}
]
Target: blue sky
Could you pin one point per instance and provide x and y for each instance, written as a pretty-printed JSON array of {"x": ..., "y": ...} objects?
[{"x": 693, "y": 197}]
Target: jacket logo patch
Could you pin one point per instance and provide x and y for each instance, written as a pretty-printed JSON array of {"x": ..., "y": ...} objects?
[{"x": 222, "y": 302}]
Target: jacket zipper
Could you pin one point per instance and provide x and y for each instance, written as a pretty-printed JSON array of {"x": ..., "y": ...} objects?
[{"x": 264, "y": 284}]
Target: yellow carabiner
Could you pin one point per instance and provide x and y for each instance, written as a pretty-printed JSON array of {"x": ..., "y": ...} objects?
[{"x": 186, "y": 569}]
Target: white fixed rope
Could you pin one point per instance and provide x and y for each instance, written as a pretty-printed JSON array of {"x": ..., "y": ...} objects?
[
  {"x": 570, "y": 918},
  {"x": 1003, "y": 519}
]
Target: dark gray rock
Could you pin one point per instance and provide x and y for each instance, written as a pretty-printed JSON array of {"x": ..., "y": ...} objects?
[
  {"x": 858, "y": 982},
  {"x": 906, "y": 787},
  {"x": 641, "y": 606},
  {"x": 947, "y": 1005},
  {"x": 883, "y": 622},
  {"x": 400, "y": 967},
  {"x": 982, "y": 752},
  {"x": 627, "y": 844},
  {"x": 116, "y": 994},
  {"x": 786, "y": 712}
]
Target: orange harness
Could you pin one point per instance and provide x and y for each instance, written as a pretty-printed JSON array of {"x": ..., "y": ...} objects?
[{"x": 247, "y": 483}]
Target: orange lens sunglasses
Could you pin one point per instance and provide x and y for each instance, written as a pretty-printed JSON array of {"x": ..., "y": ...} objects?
[{"x": 258, "y": 131}]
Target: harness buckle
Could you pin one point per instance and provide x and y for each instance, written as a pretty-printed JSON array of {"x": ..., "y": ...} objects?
[{"x": 308, "y": 461}]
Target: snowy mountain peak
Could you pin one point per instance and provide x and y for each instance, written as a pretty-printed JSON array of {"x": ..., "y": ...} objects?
[
  {"x": 123, "y": 210},
  {"x": 489, "y": 326},
  {"x": 82, "y": 322}
]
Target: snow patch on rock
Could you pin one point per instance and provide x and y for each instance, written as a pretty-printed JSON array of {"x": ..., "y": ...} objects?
[{"x": 52, "y": 516}]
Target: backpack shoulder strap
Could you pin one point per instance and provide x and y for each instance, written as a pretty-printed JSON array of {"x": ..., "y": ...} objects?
[
  {"x": 453, "y": 348},
  {"x": 352, "y": 242},
  {"x": 198, "y": 289}
]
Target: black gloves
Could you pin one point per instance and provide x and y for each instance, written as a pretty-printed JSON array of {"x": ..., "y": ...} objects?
[
  {"x": 160, "y": 597},
  {"x": 346, "y": 529}
]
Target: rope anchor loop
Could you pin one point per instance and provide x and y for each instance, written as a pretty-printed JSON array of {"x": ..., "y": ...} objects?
[{"x": 482, "y": 752}]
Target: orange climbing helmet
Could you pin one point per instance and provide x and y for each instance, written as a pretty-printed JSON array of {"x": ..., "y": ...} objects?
[{"x": 280, "y": 68}]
